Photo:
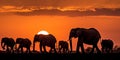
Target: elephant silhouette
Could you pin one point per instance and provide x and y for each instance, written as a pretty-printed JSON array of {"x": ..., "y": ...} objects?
[
  {"x": 63, "y": 46},
  {"x": 45, "y": 40},
  {"x": 8, "y": 44},
  {"x": 107, "y": 45},
  {"x": 23, "y": 42},
  {"x": 89, "y": 36}
]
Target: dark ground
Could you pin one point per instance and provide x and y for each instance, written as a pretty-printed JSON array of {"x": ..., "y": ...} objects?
[{"x": 56, "y": 56}]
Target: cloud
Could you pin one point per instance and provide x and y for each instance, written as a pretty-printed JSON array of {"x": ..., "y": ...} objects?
[
  {"x": 58, "y": 12},
  {"x": 63, "y": 3},
  {"x": 61, "y": 7}
]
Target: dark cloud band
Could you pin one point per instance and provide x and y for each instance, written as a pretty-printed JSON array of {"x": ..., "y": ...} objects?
[{"x": 57, "y": 12}]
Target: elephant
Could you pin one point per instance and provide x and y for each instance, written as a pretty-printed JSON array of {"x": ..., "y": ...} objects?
[
  {"x": 89, "y": 36},
  {"x": 63, "y": 46},
  {"x": 88, "y": 49},
  {"x": 8, "y": 43},
  {"x": 45, "y": 40},
  {"x": 23, "y": 42},
  {"x": 107, "y": 45}
]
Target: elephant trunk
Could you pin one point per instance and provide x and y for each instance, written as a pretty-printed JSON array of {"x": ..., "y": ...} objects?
[
  {"x": 70, "y": 40},
  {"x": 71, "y": 45}
]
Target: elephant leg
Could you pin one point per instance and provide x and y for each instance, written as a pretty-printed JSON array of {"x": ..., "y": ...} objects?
[
  {"x": 40, "y": 47},
  {"x": 67, "y": 50},
  {"x": 34, "y": 46},
  {"x": 12, "y": 49},
  {"x": 105, "y": 50},
  {"x": 7, "y": 48},
  {"x": 60, "y": 50},
  {"x": 50, "y": 50},
  {"x": 82, "y": 48},
  {"x": 44, "y": 48},
  {"x": 53, "y": 49},
  {"x": 98, "y": 50},
  {"x": 3, "y": 46},
  {"x": 29, "y": 50},
  {"x": 102, "y": 49},
  {"x": 78, "y": 45},
  {"x": 63, "y": 50},
  {"x": 108, "y": 50},
  {"x": 92, "y": 51},
  {"x": 22, "y": 49},
  {"x": 19, "y": 49},
  {"x": 111, "y": 50},
  {"x": 71, "y": 46}
]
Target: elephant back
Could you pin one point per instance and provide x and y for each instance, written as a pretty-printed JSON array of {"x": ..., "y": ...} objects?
[
  {"x": 49, "y": 39},
  {"x": 11, "y": 42},
  {"x": 8, "y": 41},
  {"x": 95, "y": 32},
  {"x": 27, "y": 41},
  {"x": 52, "y": 38},
  {"x": 23, "y": 41},
  {"x": 63, "y": 44},
  {"x": 19, "y": 40}
]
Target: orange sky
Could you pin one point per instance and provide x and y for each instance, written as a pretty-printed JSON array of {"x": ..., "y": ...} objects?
[{"x": 27, "y": 26}]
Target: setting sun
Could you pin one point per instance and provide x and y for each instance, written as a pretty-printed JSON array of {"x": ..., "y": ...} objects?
[{"x": 43, "y": 32}]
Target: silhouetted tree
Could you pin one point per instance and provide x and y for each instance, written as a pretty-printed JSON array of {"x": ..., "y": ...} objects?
[
  {"x": 63, "y": 46},
  {"x": 45, "y": 40},
  {"x": 89, "y": 36},
  {"x": 8, "y": 44},
  {"x": 23, "y": 42}
]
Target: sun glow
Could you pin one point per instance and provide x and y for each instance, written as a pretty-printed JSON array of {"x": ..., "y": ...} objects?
[{"x": 43, "y": 32}]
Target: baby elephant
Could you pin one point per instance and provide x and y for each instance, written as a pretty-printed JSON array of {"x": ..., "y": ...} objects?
[
  {"x": 107, "y": 45},
  {"x": 23, "y": 42},
  {"x": 63, "y": 46}
]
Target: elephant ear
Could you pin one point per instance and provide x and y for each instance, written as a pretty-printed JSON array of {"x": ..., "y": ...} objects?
[
  {"x": 36, "y": 37},
  {"x": 80, "y": 32},
  {"x": 72, "y": 33}
]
